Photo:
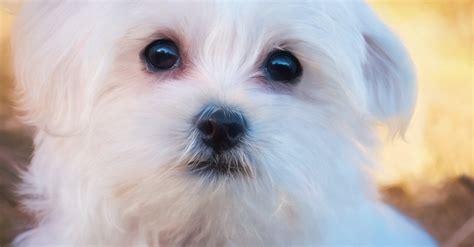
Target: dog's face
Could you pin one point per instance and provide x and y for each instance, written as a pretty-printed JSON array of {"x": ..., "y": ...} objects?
[{"x": 178, "y": 111}]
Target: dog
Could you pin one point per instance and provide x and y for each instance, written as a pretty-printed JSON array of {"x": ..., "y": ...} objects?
[{"x": 209, "y": 123}]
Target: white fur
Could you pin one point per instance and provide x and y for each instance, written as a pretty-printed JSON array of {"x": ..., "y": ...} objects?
[{"x": 113, "y": 140}]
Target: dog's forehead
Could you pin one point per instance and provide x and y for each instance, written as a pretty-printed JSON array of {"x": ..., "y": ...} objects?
[
  {"x": 256, "y": 12},
  {"x": 242, "y": 25},
  {"x": 247, "y": 16},
  {"x": 213, "y": 10}
]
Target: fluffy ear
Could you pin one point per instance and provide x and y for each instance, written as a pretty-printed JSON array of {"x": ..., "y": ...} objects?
[
  {"x": 388, "y": 73},
  {"x": 46, "y": 51},
  {"x": 57, "y": 64}
]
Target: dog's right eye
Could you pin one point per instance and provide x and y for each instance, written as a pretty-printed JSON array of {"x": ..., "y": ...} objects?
[
  {"x": 162, "y": 54},
  {"x": 282, "y": 66}
]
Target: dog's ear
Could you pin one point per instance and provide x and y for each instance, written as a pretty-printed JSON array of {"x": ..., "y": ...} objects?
[{"x": 388, "y": 73}]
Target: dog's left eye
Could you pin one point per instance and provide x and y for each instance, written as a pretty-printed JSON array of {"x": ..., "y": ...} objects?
[
  {"x": 282, "y": 66},
  {"x": 162, "y": 54}
]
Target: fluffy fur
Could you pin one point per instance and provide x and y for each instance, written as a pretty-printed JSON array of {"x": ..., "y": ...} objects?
[{"x": 113, "y": 140}]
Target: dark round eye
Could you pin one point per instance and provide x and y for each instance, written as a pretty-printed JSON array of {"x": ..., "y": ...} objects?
[
  {"x": 282, "y": 66},
  {"x": 162, "y": 54}
]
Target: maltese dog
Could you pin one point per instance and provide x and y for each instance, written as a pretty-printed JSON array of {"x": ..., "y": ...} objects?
[{"x": 209, "y": 124}]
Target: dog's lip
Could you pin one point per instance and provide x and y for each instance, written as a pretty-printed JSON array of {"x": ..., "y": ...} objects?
[{"x": 214, "y": 167}]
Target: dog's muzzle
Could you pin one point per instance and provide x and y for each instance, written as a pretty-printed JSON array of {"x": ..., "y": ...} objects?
[{"x": 220, "y": 131}]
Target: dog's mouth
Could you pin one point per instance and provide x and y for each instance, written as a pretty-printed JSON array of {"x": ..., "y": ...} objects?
[{"x": 217, "y": 167}]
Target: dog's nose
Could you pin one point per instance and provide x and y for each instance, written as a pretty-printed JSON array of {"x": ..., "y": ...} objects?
[{"x": 221, "y": 129}]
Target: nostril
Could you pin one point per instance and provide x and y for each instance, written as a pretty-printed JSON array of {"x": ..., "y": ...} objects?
[
  {"x": 234, "y": 130},
  {"x": 207, "y": 127}
]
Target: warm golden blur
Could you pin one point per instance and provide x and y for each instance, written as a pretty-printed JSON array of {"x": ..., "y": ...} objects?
[{"x": 6, "y": 21}]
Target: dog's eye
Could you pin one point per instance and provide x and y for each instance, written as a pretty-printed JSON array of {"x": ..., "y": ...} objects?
[
  {"x": 162, "y": 54},
  {"x": 282, "y": 66}
]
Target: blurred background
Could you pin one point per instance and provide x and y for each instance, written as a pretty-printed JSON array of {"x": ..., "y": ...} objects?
[{"x": 429, "y": 176}]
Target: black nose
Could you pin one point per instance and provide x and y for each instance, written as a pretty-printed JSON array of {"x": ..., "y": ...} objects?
[{"x": 221, "y": 129}]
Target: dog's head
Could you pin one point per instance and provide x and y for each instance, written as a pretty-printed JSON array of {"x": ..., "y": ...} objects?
[{"x": 167, "y": 101}]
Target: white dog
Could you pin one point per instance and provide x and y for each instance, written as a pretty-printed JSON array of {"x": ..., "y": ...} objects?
[{"x": 209, "y": 124}]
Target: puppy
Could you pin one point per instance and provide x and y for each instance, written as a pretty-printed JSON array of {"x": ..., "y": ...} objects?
[{"x": 209, "y": 124}]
